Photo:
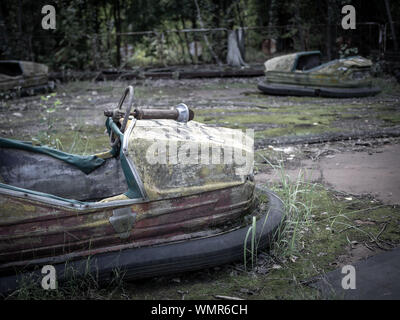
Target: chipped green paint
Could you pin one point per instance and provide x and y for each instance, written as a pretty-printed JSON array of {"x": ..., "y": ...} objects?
[{"x": 13, "y": 210}]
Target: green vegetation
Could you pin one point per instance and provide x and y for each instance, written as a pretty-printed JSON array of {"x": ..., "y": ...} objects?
[
  {"x": 132, "y": 33},
  {"x": 294, "y": 131},
  {"x": 388, "y": 86},
  {"x": 390, "y": 118},
  {"x": 74, "y": 287},
  {"x": 294, "y": 117},
  {"x": 253, "y": 246}
]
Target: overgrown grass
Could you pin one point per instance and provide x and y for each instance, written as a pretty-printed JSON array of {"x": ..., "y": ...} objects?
[
  {"x": 74, "y": 286},
  {"x": 253, "y": 248},
  {"x": 298, "y": 203},
  {"x": 388, "y": 85}
]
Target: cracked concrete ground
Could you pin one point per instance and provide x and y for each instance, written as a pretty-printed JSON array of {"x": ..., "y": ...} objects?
[{"x": 375, "y": 173}]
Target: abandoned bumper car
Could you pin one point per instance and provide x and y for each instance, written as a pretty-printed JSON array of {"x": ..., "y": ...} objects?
[
  {"x": 302, "y": 74},
  {"x": 146, "y": 207},
  {"x": 23, "y": 78}
]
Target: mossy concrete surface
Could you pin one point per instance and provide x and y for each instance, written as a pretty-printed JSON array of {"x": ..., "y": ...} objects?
[{"x": 75, "y": 111}]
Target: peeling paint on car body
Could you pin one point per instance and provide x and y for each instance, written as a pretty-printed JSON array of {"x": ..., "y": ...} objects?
[{"x": 50, "y": 233}]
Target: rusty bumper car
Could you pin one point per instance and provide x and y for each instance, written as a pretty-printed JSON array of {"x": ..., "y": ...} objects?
[
  {"x": 23, "y": 78},
  {"x": 302, "y": 74},
  {"x": 145, "y": 207}
]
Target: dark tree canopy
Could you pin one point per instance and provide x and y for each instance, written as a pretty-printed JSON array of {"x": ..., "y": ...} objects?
[{"x": 93, "y": 34}]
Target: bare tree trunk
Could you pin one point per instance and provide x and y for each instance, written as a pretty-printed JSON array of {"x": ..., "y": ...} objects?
[
  {"x": 240, "y": 16},
  {"x": 299, "y": 26},
  {"x": 391, "y": 25},
  {"x": 3, "y": 33},
  {"x": 273, "y": 19},
  {"x": 205, "y": 36},
  {"x": 329, "y": 31},
  {"x": 20, "y": 33},
  {"x": 241, "y": 42},
  {"x": 107, "y": 15},
  {"x": 181, "y": 44},
  {"x": 234, "y": 57},
  {"x": 20, "y": 17},
  {"x": 161, "y": 40},
  {"x": 186, "y": 39},
  {"x": 117, "y": 18}
]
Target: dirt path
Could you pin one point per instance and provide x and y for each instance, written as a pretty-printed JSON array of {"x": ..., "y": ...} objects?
[{"x": 375, "y": 172}]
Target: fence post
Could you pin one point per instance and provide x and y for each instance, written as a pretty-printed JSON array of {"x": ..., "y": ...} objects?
[{"x": 160, "y": 40}]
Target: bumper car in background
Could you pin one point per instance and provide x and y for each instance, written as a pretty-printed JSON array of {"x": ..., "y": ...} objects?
[
  {"x": 23, "y": 78},
  {"x": 303, "y": 74}
]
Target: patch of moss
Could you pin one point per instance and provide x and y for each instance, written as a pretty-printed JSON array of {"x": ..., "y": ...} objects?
[
  {"x": 223, "y": 85},
  {"x": 294, "y": 131},
  {"x": 249, "y": 118},
  {"x": 208, "y": 111},
  {"x": 392, "y": 118},
  {"x": 387, "y": 85}
]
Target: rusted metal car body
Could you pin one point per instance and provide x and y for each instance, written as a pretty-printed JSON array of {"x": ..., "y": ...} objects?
[
  {"x": 157, "y": 216},
  {"x": 34, "y": 230},
  {"x": 19, "y": 78},
  {"x": 303, "y": 74}
]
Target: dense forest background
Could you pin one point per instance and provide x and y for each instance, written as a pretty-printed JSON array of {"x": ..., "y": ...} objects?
[{"x": 97, "y": 34}]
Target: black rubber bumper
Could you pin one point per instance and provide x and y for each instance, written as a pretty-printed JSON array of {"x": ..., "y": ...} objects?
[
  {"x": 30, "y": 91},
  {"x": 294, "y": 90},
  {"x": 172, "y": 258}
]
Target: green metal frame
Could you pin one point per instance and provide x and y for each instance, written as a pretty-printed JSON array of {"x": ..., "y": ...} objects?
[
  {"x": 133, "y": 186},
  {"x": 42, "y": 194}
]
